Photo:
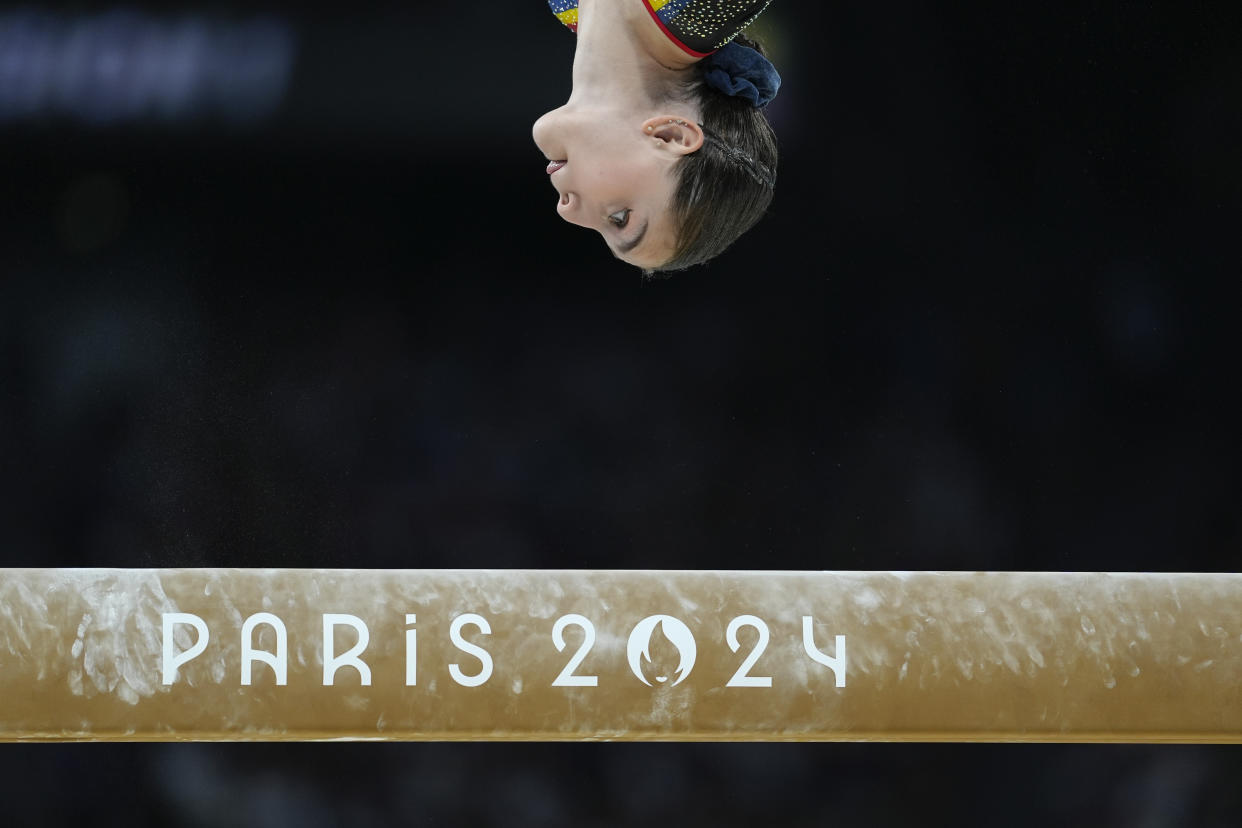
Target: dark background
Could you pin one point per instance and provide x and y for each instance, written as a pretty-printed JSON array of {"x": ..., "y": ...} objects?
[{"x": 989, "y": 324}]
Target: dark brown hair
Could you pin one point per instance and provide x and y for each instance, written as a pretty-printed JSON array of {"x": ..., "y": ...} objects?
[{"x": 725, "y": 187}]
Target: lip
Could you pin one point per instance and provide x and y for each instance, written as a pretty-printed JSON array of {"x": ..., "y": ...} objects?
[{"x": 554, "y": 166}]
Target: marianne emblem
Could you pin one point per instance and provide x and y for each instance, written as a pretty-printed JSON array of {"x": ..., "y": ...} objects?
[{"x": 639, "y": 646}]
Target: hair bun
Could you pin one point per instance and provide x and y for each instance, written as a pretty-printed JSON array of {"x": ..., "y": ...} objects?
[{"x": 741, "y": 72}]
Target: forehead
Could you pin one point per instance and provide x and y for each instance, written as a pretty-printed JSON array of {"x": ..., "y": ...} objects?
[
  {"x": 650, "y": 197},
  {"x": 657, "y": 247}
]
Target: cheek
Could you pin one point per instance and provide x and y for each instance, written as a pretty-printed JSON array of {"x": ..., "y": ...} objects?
[{"x": 623, "y": 180}]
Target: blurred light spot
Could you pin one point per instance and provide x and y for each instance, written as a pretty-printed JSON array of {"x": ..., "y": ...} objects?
[{"x": 125, "y": 67}]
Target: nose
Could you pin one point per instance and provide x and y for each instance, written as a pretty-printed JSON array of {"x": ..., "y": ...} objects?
[
  {"x": 539, "y": 131},
  {"x": 550, "y": 134},
  {"x": 570, "y": 209}
]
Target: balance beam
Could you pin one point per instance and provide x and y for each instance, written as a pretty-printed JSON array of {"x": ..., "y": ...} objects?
[{"x": 302, "y": 655}]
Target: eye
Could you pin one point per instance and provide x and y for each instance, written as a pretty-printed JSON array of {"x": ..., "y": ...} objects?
[{"x": 620, "y": 218}]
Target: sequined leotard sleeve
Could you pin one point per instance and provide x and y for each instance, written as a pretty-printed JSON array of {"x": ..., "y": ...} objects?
[{"x": 700, "y": 27}]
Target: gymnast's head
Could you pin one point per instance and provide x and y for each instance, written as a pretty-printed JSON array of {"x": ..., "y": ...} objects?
[{"x": 674, "y": 172}]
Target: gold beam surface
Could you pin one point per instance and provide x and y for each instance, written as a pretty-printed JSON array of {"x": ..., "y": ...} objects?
[{"x": 270, "y": 654}]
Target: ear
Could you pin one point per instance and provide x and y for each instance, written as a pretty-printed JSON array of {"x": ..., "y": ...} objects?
[{"x": 678, "y": 135}]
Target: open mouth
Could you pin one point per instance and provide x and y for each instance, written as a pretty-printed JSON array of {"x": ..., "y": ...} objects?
[{"x": 554, "y": 166}]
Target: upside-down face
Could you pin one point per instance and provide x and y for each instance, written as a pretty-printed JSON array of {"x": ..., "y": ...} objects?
[{"x": 615, "y": 174}]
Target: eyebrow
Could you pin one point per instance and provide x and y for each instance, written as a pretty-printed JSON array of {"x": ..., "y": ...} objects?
[{"x": 626, "y": 247}]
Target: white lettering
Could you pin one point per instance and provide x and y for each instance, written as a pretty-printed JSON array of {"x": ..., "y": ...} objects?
[
  {"x": 742, "y": 677},
  {"x": 331, "y": 661},
  {"x": 411, "y": 652},
  {"x": 567, "y": 677},
  {"x": 835, "y": 664},
  {"x": 171, "y": 661},
  {"x": 278, "y": 661},
  {"x": 466, "y": 647}
]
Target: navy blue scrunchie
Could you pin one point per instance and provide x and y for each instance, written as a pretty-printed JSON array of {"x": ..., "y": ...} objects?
[{"x": 740, "y": 71}]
